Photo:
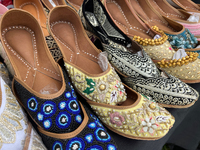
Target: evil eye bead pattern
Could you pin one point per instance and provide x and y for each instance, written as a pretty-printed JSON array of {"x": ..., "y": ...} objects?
[
  {"x": 63, "y": 120},
  {"x": 32, "y": 104},
  {"x": 47, "y": 123},
  {"x": 101, "y": 135},
  {"x": 73, "y": 107},
  {"x": 95, "y": 147},
  {"x": 48, "y": 108},
  {"x": 89, "y": 138},
  {"x": 111, "y": 147},
  {"x": 75, "y": 144},
  {"x": 78, "y": 118},
  {"x": 57, "y": 146}
]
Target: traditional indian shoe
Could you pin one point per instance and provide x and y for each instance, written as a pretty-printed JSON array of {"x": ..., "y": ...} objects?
[
  {"x": 3, "y": 9},
  {"x": 51, "y": 4},
  {"x": 36, "y": 9},
  {"x": 136, "y": 68},
  {"x": 16, "y": 131},
  {"x": 102, "y": 89},
  {"x": 178, "y": 35},
  {"x": 43, "y": 88},
  {"x": 81, "y": 59},
  {"x": 153, "y": 41},
  {"x": 187, "y": 20}
]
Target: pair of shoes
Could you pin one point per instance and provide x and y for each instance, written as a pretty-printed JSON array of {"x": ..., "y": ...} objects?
[
  {"x": 127, "y": 14},
  {"x": 96, "y": 81},
  {"x": 16, "y": 131},
  {"x": 36, "y": 9},
  {"x": 178, "y": 35},
  {"x": 137, "y": 69},
  {"x": 153, "y": 41},
  {"x": 44, "y": 90},
  {"x": 180, "y": 16}
]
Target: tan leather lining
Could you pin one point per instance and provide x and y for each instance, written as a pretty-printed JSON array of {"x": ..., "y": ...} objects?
[
  {"x": 71, "y": 134},
  {"x": 75, "y": 3},
  {"x": 74, "y": 44},
  {"x": 48, "y": 4},
  {"x": 36, "y": 9},
  {"x": 23, "y": 55},
  {"x": 187, "y": 5}
]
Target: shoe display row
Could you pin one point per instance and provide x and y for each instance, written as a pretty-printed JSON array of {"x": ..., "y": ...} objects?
[{"x": 50, "y": 58}]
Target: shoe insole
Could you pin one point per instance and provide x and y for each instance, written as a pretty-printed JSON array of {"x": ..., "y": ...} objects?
[
  {"x": 31, "y": 61},
  {"x": 142, "y": 8},
  {"x": 128, "y": 23},
  {"x": 75, "y": 48},
  {"x": 34, "y": 9},
  {"x": 188, "y": 5},
  {"x": 76, "y": 3}
]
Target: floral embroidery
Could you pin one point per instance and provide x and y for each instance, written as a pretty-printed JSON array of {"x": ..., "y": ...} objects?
[
  {"x": 120, "y": 88},
  {"x": 102, "y": 88},
  {"x": 113, "y": 96},
  {"x": 149, "y": 125},
  {"x": 90, "y": 89},
  {"x": 116, "y": 118},
  {"x": 162, "y": 118}
]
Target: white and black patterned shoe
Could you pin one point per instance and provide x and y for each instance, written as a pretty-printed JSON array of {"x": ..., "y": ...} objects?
[{"x": 135, "y": 66}]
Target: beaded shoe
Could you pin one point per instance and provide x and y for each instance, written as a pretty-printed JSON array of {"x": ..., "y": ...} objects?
[
  {"x": 81, "y": 60},
  {"x": 107, "y": 103},
  {"x": 178, "y": 36},
  {"x": 43, "y": 88},
  {"x": 153, "y": 40},
  {"x": 16, "y": 131},
  {"x": 137, "y": 69},
  {"x": 180, "y": 16},
  {"x": 36, "y": 9}
]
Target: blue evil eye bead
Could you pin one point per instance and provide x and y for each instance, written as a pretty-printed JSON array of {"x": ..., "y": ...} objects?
[
  {"x": 63, "y": 120},
  {"x": 102, "y": 135},
  {"x": 48, "y": 108},
  {"x": 94, "y": 117},
  {"x": 111, "y": 147},
  {"x": 62, "y": 105},
  {"x": 57, "y": 146},
  {"x": 78, "y": 118},
  {"x": 32, "y": 104},
  {"x": 89, "y": 138},
  {"x": 40, "y": 117},
  {"x": 68, "y": 95},
  {"x": 73, "y": 94},
  {"x": 73, "y": 107},
  {"x": 47, "y": 123},
  {"x": 75, "y": 144},
  {"x": 95, "y": 147},
  {"x": 92, "y": 125}
]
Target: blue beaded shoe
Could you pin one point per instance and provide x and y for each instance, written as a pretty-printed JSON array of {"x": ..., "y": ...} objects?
[{"x": 44, "y": 90}]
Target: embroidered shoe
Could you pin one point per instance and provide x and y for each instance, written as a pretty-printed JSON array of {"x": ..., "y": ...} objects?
[
  {"x": 43, "y": 89},
  {"x": 152, "y": 40},
  {"x": 178, "y": 36},
  {"x": 136, "y": 118},
  {"x": 180, "y": 16},
  {"x": 81, "y": 59},
  {"x": 141, "y": 67},
  {"x": 36, "y": 9},
  {"x": 16, "y": 132}
]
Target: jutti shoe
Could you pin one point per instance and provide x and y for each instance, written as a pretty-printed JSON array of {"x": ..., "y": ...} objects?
[
  {"x": 51, "y": 4},
  {"x": 36, "y": 9},
  {"x": 180, "y": 16},
  {"x": 130, "y": 61},
  {"x": 178, "y": 35},
  {"x": 43, "y": 88},
  {"x": 16, "y": 131},
  {"x": 81, "y": 59},
  {"x": 102, "y": 89},
  {"x": 3, "y": 9},
  {"x": 153, "y": 41}
]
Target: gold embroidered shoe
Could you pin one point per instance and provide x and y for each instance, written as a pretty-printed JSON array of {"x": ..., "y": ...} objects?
[
  {"x": 15, "y": 132},
  {"x": 136, "y": 118},
  {"x": 82, "y": 59},
  {"x": 153, "y": 40}
]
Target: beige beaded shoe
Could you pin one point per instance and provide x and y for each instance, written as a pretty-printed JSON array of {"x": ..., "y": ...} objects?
[{"x": 153, "y": 40}]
